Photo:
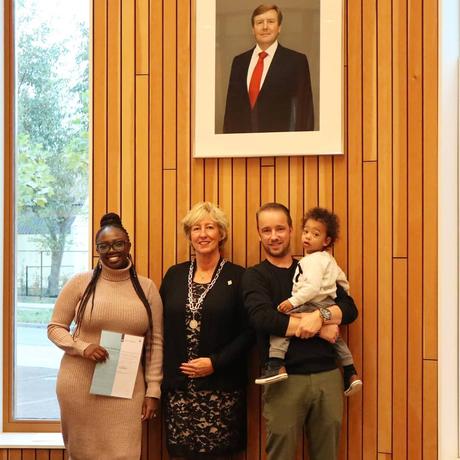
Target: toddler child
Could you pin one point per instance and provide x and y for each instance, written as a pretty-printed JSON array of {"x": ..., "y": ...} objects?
[{"x": 314, "y": 288}]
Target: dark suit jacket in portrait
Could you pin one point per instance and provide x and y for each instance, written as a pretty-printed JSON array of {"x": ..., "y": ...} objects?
[{"x": 284, "y": 102}]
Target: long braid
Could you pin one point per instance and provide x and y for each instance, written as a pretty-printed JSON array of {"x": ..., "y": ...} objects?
[
  {"x": 140, "y": 292},
  {"x": 90, "y": 291}
]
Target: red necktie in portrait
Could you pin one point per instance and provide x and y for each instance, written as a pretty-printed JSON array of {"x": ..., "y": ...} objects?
[{"x": 254, "y": 84}]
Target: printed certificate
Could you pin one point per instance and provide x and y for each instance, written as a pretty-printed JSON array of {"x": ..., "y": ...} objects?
[{"x": 117, "y": 375}]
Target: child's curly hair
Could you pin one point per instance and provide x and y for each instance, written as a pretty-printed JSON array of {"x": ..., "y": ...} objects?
[{"x": 328, "y": 218}]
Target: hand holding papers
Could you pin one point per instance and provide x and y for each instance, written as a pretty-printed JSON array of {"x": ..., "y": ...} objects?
[{"x": 117, "y": 375}]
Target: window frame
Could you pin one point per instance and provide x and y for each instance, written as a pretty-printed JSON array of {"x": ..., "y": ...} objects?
[{"x": 9, "y": 423}]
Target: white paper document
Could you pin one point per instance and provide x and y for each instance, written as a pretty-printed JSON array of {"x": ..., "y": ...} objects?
[{"x": 117, "y": 375}]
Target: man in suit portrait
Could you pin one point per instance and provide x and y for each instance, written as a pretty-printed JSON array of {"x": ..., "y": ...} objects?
[{"x": 269, "y": 88}]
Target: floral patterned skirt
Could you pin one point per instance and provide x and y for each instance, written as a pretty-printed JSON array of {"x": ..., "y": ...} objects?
[{"x": 209, "y": 422}]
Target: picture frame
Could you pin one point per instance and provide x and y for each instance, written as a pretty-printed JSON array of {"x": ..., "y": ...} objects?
[{"x": 221, "y": 30}]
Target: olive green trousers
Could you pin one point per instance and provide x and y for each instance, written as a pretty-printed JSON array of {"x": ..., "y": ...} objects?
[{"x": 313, "y": 400}]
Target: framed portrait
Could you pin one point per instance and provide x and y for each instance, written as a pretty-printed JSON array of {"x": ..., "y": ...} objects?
[{"x": 286, "y": 101}]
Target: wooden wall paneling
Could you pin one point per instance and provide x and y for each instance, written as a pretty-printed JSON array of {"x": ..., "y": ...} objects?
[
  {"x": 114, "y": 93},
  {"x": 430, "y": 409},
  {"x": 128, "y": 115},
  {"x": 156, "y": 142},
  {"x": 211, "y": 180},
  {"x": 3, "y": 454},
  {"x": 239, "y": 217},
  {"x": 56, "y": 454},
  {"x": 142, "y": 175},
  {"x": 355, "y": 205},
  {"x": 225, "y": 198},
  {"x": 183, "y": 121},
  {"x": 384, "y": 456},
  {"x": 310, "y": 182},
  {"x": 369, "y": 31},
  {"x": 197, "y": 180},
  {"x": 14, "y": 454},
  {"x": 253, "y": 201},
  {"x": 169, "y": 219},
  {"x": 281, "y": 170},
  {"x": 267, "y": 185},
  {"x": 340, "y": 207},
  {"x": 400, "y": 357},
  {"x": 399, "y": 79},
  {"x": 325, "y": 182},
  {"x": 267, "y": 191},
  {"x": 42, "y": 454},
  {"x": 28, "y": 454},
  {"x": 385, "y": 222},
  {"x": 296, "y": 204},
  {"x": 267, "y": 161},
  {"x": 142, "y": 37},
  {"x": 99, "y": 112},
  {"x": 169, "y": 83},
  {"x": 415, "y": 219},
  {"x": 369, "y": 312},
  {"x": 430, "y": 183}
]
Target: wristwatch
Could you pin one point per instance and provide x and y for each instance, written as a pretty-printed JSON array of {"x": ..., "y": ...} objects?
[{"x": 325, "y": 314}]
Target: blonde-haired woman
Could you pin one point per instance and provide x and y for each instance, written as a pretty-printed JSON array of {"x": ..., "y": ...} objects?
[{"x": 207, "y": 338}]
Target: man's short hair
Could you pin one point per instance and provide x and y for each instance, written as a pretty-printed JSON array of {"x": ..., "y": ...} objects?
[
  {"x": 274, "y": 207},
  {"x": 261, "y": 9}
]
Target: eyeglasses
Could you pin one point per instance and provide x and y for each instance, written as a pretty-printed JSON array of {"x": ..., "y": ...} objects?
[{"x": 104, "y": 248}]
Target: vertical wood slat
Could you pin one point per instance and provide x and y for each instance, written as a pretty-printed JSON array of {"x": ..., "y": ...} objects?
[
  {"x": 296, "y": 204},
  {"x": 42, "y": 454},
  {"x": 142, "y": 37},
  {"x": 370, "y": 303},
  {"x": 399, "y": 98},
  {"x": 430, "y": 174},
  {"x": 142, "y": 175},
  {"x": 369, "y": 53},
  {"x": 415, "y": 219},
  {"x": 114, "y": 92},
  {"x": 225, "y": 196},
  {"x": 385, "y": 207},
  {"x": 156, "y": 143},
  {"x": 430, "y": 409},
  {"x": 400, "y": 360},
  {"x": 128, "y": 88},
  {"x": 28, "y": 454},
  {"x": 169, "y": 219},
  {"x": 99, "y": 112},
  {"x": 169, "y": 83},
  {"x": 239, "y": 217},
  {"x": 355, "y": 205},
  {"x": 183, "y": 121}
]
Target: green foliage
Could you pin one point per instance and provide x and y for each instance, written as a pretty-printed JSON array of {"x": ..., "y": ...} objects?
[{"x": 52, "y": 126}]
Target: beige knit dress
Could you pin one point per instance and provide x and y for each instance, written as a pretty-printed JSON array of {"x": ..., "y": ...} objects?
[{"x": 98, "y": 427}]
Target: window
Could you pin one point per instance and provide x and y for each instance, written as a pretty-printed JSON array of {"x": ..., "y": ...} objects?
[{"x": 46, "y": 200}]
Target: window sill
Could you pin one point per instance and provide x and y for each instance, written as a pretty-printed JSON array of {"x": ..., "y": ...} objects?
[{"x": 31, "y": 441}]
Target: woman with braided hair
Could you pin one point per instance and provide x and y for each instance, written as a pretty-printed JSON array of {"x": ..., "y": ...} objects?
[{"x": 112, "y": 297}]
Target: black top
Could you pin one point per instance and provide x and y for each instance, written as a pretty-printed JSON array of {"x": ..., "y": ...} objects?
[
  {"x": 284, "y": 103},
  {"x": 225, "y": 335},
  {"x": 265, "y": 286}
]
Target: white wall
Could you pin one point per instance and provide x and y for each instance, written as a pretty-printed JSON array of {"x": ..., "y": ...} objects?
[
  {"x": 448, "y": 226},
  {"x": 1, "y": 186}
]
